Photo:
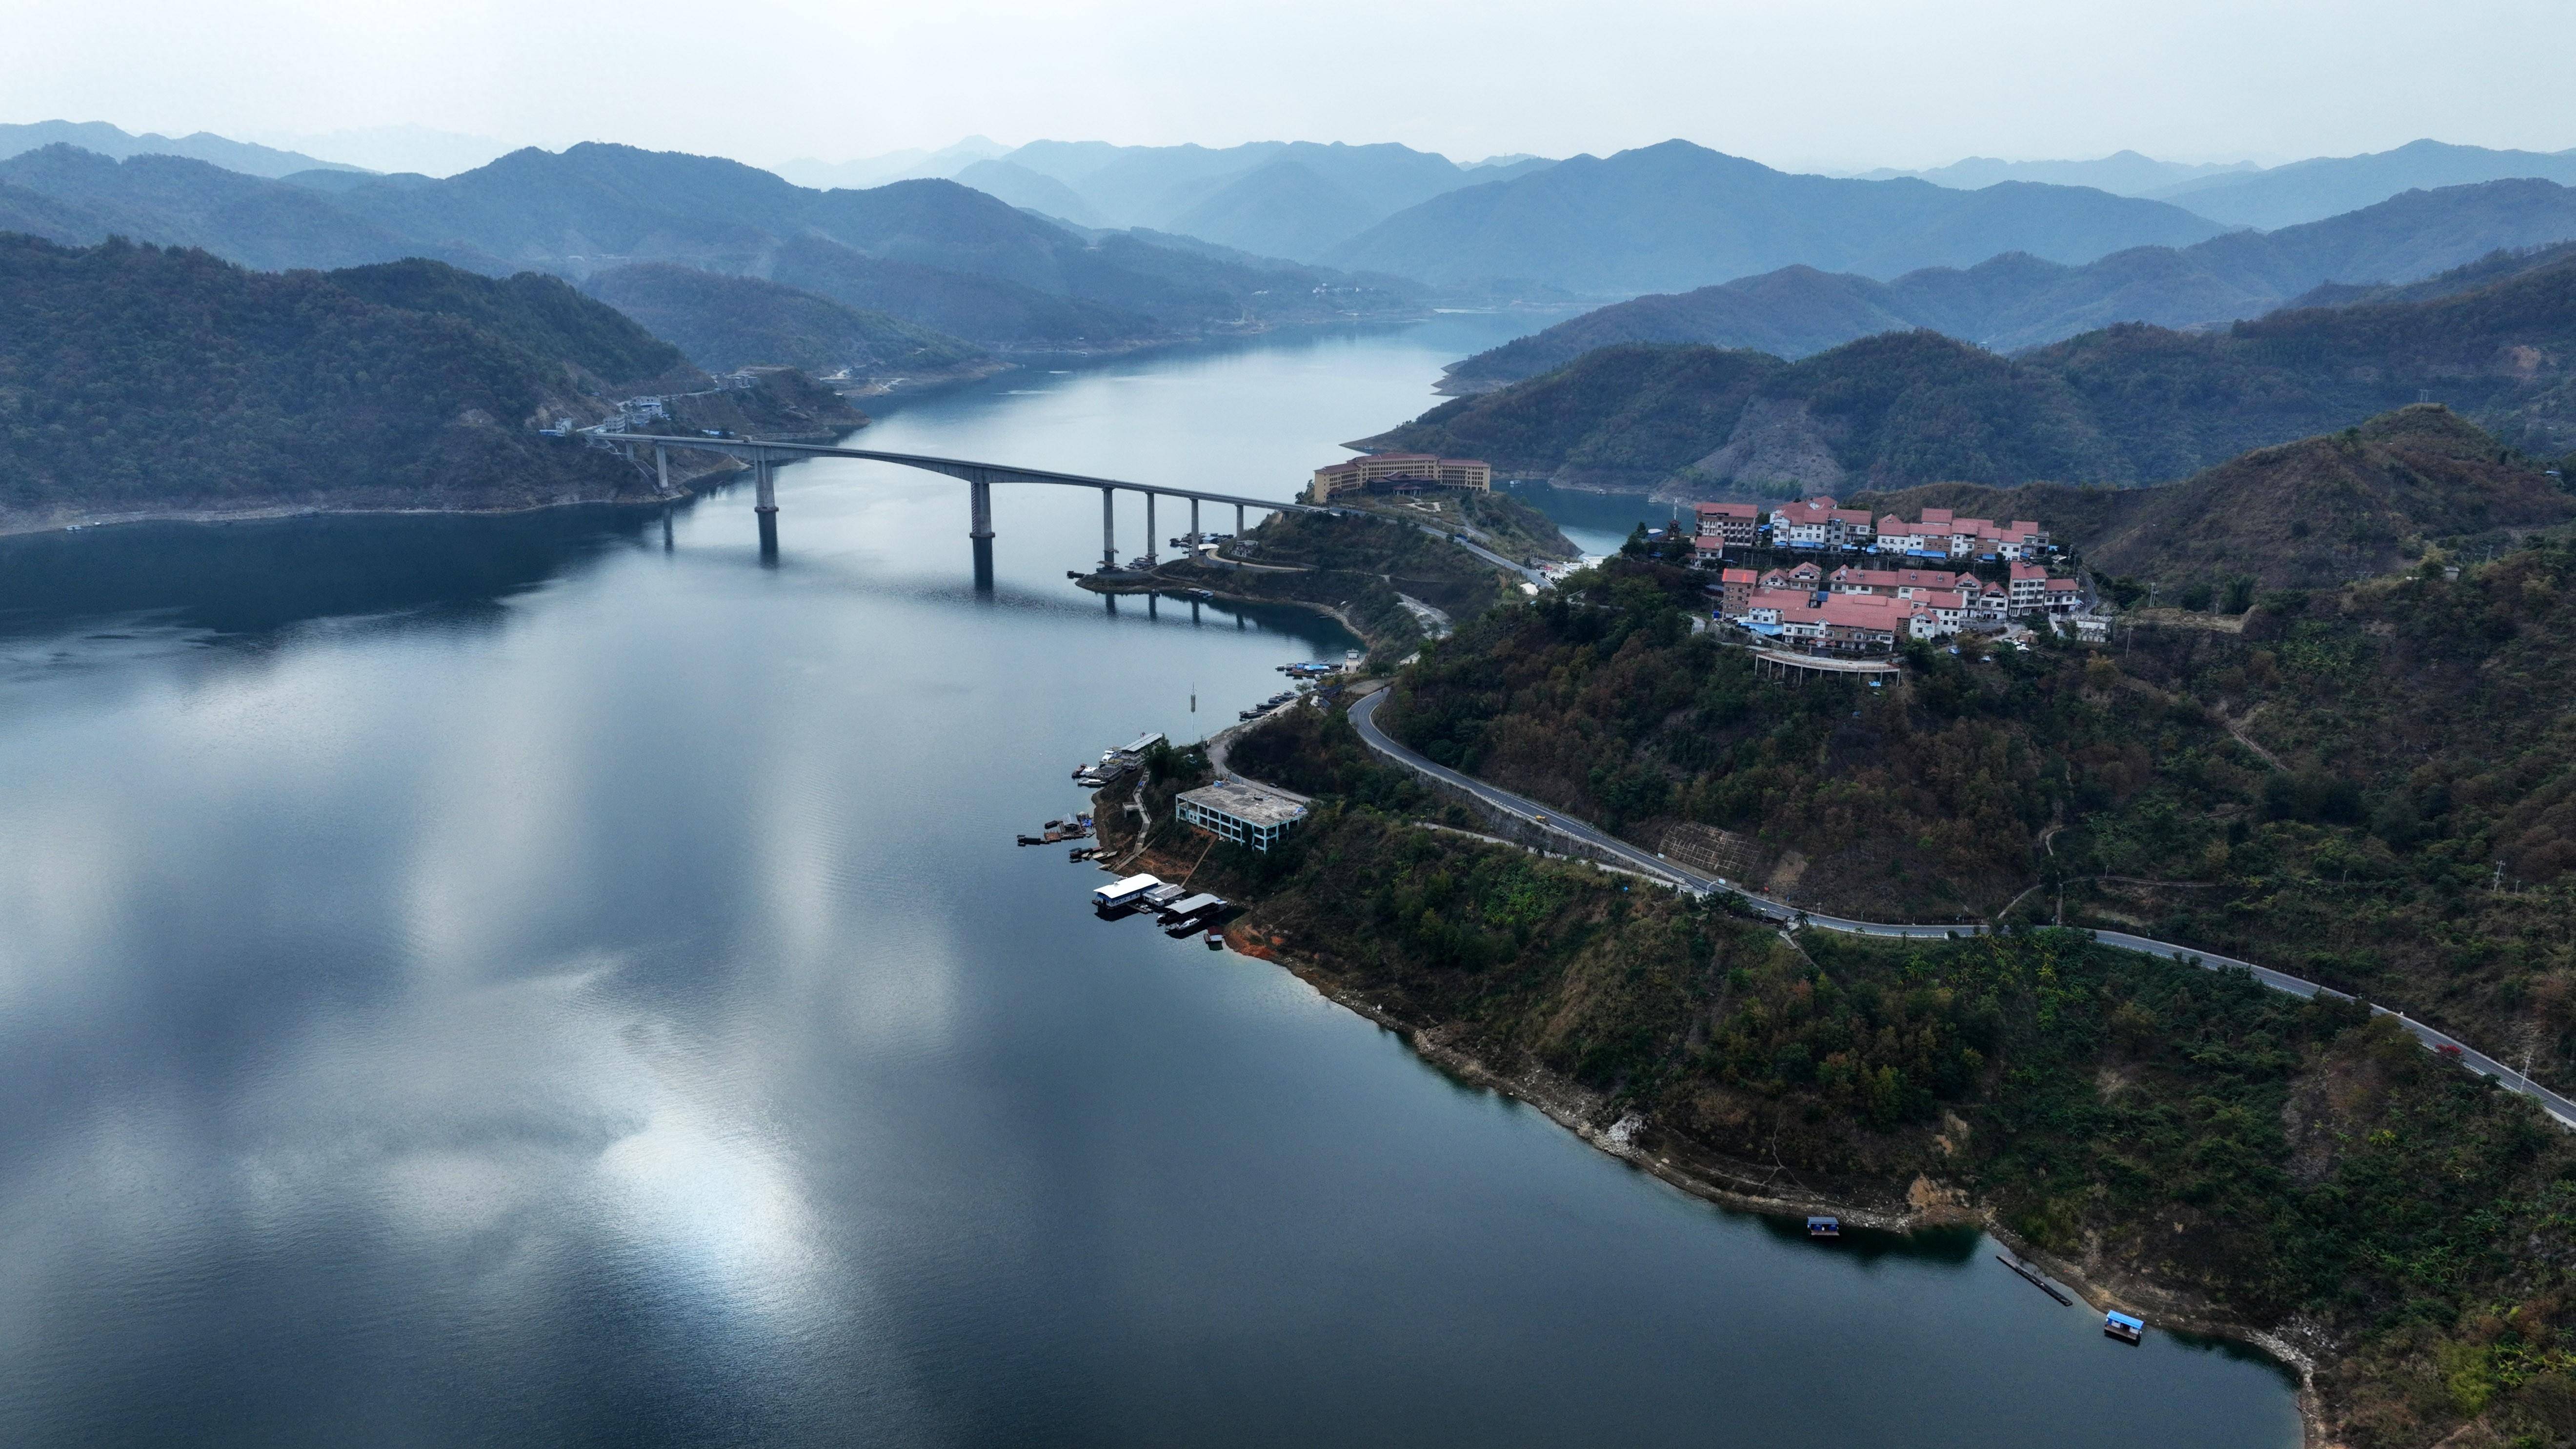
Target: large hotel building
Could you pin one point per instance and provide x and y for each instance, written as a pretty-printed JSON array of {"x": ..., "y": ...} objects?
[{"x": 1400, "y": 473}]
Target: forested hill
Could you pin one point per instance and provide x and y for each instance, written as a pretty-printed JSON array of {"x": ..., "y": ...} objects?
[
  {"x": 2415, "y": 845},
  {"x": 2125, "y": 405},
  {"x": 2315, "y": 513},
  {"x": 143, "y": 380},
  {"x": 932, "y": 253},
  {"x": 728, "y": 322},
  {"x": 2017, "y": 300},
  {"x": 542, "y": 316}
]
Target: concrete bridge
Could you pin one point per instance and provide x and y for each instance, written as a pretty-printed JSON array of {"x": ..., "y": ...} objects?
[{"x": 765, "y": 454}]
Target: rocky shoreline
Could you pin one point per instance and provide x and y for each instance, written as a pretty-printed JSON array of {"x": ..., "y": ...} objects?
[
  {"x": 1919, "y": 1204},
  {"x": 1929, "y": 1204},
  {"x": 687, "y": 482}
]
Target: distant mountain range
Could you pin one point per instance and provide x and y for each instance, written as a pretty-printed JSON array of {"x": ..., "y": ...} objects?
[
  {"x": 1675, "y": 215},
  {"x": 107, "y": 140},
  {"x": 2123, "y": 173},
  {"x": 1293, "y": 199},
  {"x": 932, "y": 253},
  {"x": 2124, "y": 405},
  {"x": 2018, "y": 301},
  {"x": 78, "y": 197},
  {"x": 2330, "y": 185},
  {"x": 910, "y": 165}
]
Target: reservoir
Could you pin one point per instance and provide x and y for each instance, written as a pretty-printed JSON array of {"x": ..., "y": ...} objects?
[{"x": 565, "y": 980}]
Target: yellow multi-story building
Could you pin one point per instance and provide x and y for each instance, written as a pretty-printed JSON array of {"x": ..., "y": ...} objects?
[{"x": 1400, "y": 472}]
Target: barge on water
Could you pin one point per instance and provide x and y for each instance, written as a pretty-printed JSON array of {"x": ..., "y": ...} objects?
[
  {"x": 1824, "y": 1227},
  {"x": 2122, "y": 1327}
]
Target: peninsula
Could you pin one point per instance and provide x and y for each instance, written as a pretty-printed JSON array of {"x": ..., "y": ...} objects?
[{"x": 2321, "y": 782}]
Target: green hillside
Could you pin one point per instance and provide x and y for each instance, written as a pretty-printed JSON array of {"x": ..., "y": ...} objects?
[
  {"x": 2016, "y": 300},
  {"x": 541, "y": 315},
  {"x": 723, "y": 323},
  {"x": 2190, "y": 1140},
  {"x": 2315, "y": 513},
  {"x": 2421, "y": 725},
  {"x": 2125, "y": 405},
  {"x": 933, "y": 253},
  {"x": 1694, "y": 420},
  {"x": 138, "y": 379}
]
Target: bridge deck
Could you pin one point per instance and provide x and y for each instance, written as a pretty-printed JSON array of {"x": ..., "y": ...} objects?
[{"x": 963, "y": 468}]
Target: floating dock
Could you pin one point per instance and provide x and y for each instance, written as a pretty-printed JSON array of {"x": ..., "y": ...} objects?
[
  {"x": 2036, "y": 1281},
  {"x": 1129, "y": 891}
]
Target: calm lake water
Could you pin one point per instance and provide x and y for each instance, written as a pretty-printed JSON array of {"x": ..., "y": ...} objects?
[{"x": 553, "y": 981}]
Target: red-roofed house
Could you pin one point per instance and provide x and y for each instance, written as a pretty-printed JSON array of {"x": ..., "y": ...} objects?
[
  {"x": 1730, "y": 523},
  {"x": 1993, "y": 603},
  {"x": 2029, "y": 588},
  {"x": 1735, "y": 592},
  {"x": 1940, "y": 614},
  {"x": 1898, "y": 583},
  {"x": 1842, "y": 624},
  {"x": 1817, "y": 523}
]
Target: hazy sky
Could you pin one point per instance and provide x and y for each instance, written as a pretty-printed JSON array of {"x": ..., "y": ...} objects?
[{"x": 1843, "y": 84}]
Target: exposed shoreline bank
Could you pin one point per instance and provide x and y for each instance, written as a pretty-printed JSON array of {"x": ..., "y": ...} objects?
[
  {"x": 1930, "y": 1205},
  {"x": 686, "y": 486},
  {"x": 1680, "y": 1162}
]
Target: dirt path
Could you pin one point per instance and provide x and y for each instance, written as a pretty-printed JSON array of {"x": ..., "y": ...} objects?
[{"x": 2236, "y": 727}]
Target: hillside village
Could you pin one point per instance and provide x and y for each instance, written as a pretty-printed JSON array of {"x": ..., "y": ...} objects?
[{"x": 1860, "y": 608}]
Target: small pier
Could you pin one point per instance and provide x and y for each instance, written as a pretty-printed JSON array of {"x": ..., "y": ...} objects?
[{"x": 2036, "y": 1281}]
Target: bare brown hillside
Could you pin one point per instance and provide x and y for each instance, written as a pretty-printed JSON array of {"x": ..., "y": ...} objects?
[{"x": 2314, "y": 513}]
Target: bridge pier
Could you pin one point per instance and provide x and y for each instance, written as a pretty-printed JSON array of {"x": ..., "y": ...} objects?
[
  {"x": 1238, "y": 520},
  {"x": 1150, "y": 539},
  {"x": 1194, "y": 527},
  {"x": 979, "y": 507},
  {"x": 1108, "y": 529},
  {"x": 662, "y": 471},
  {"x": 765, "y": 488}
]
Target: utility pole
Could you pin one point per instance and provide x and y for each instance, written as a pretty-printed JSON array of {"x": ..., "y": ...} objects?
[{"x": 2496, "y": 887}]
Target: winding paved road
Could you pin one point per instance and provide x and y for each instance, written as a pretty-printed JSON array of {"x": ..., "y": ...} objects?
[
  {"x": 1364, "y": 718},
  {"x": 1488, "y": 555}
]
